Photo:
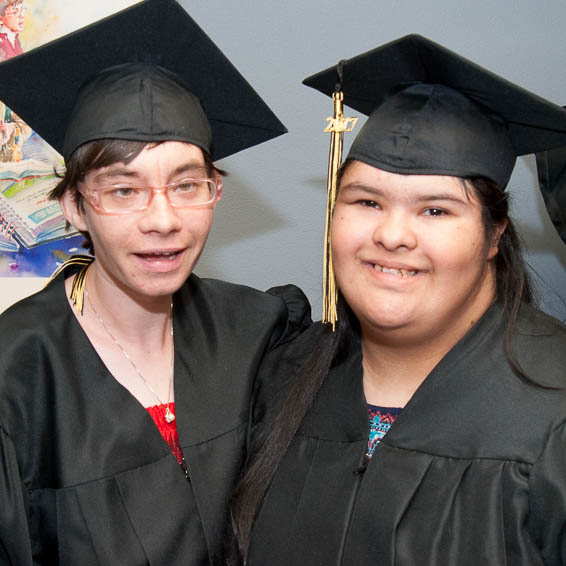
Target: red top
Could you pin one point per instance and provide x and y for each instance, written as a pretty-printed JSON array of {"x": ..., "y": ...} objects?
[
  {"x": 7, "y": 49},
  {"x": 167, "y": 430}
]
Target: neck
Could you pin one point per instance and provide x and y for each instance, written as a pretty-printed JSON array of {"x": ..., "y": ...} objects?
[
  {"x": 144, "y": 321},
  {"x": 11, "y": 35},
  {"x": 134, "y": 338},
  {"x": 392, "y": 373}
]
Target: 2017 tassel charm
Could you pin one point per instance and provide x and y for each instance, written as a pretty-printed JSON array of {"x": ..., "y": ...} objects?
[{"x": 337, "y": 125}]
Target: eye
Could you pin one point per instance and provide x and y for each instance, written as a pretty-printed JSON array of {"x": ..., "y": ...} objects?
[
  {"x": 435, "y": 212},
  {"x": 369, "y": 203},
  {"x": 186, "y": 186},
  {"x": 122, "y": 192}
]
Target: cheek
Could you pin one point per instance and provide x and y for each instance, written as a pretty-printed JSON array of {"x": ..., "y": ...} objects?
[
  {"x": 196, "y": 225},
  {"x": 349, "y": 229},
  {"x": 341, "y": 240},
  {"x": 199, "y": 223},
  {"x": 13, "y": 23},
  {"x": 461, "y": 250},
  {"x": 110, "y": 231},
  {"x": 348, "y": 237}
]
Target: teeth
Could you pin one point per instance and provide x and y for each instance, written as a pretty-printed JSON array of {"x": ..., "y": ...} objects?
[
  {"x": 401, "y": 272},
  {"x": 166, "y": 255}
]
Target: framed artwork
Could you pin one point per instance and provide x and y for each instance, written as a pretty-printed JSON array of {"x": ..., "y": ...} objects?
[{"x": 34, "y": 237}]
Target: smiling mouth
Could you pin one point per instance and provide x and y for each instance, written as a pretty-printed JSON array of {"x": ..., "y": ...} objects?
[{"x": 393, "y": 271}]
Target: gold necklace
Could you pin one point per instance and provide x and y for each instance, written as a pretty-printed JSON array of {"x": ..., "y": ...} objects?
[{"x": 168, "y": 415}]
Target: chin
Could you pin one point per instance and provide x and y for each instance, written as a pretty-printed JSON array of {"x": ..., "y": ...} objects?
[
  {"x": 384, "y": 312},
  {"x": 388, "y": 325},
  {"x": 165, "y": 286},
  {"x": 389, "y": 321}
]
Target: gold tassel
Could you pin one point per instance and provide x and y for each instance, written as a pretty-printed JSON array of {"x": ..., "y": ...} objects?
[
  {"x": 337, "y": 125},
  {"x": 78, "y": 287}
]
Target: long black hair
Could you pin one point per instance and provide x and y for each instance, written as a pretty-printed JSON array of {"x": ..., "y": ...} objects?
[{"x": 512, "y": 290}]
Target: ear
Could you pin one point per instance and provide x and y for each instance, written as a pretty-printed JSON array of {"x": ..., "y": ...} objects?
[
  {"x": 72, "y": 210},
  {"x": 494, "y": 247},
  {"x": 218, "y": 188}
]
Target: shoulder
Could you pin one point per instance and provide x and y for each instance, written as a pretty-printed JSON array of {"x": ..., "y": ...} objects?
[
  {"x": 235, "y": 305},
  {"x": 37, "y": 336},
  {"x": 540, "y": 345},
  {"x": 533, "y": 321},
  {"x": 37, "y": 310},
  {"x": 226, "y": 292},
  {"x": 31, "y": 324}
]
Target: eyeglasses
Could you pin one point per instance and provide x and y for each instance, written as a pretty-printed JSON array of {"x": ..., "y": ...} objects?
[{"x": 125, "y": 198}]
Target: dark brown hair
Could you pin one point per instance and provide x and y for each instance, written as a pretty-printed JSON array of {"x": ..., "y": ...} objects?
[
  {"x": 103, "y": 153},
  {"x": 266, "y": 452}
]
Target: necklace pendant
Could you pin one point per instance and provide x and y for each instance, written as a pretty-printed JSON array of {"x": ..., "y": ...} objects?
[{"x": 169, "y": 416}]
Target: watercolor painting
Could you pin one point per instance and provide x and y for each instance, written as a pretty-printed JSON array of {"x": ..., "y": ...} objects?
[{"x": 34, "y": 239}]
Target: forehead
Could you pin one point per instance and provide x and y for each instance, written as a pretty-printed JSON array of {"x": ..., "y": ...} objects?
[
  {"x": 359, "y": 175},
  {"x": 156, "y": 162}
]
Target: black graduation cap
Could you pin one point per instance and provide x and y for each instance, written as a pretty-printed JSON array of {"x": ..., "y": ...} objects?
[
  {"x": 141, "y": 74},
  {"x": 551, "y": 168},
  {"x": 434, "y": 112}
]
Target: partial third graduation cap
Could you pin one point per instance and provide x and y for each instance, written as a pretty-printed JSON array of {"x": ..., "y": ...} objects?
[
  {"x": 551, "y": 169},
  {"x": 147, "y": 73},
  {"x": 434, "y": 112}
]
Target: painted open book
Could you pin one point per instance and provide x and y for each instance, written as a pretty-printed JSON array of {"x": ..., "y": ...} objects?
[{"x": 27, "y": 216}]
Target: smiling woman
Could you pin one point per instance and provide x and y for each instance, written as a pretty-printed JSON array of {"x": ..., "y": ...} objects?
[
  {"x": 430, "y": 427},
  {"x": 126, "y": 386}
]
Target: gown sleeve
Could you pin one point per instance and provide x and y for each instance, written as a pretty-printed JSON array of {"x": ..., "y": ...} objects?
[
  {"x": 15, "y": 545},
  {"x": 283, "y": 359},
  {"x": 298, "y": 312},
  {"x": 547, "y": 494}
]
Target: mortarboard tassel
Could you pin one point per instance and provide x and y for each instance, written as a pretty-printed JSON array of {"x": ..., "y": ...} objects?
[{"x": 337, "y": 125}]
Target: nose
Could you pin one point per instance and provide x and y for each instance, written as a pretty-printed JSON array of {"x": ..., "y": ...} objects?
[
  {"x": 395, "y": 231},
  {"x": 160, "y": 216}
]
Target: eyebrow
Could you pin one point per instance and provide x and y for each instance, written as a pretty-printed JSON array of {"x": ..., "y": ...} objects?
[
  {"x": 424, "y": 198},
  {"x": 191, "y": 168}
]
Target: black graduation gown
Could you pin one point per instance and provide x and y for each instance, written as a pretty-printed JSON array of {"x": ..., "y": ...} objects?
[
  {"x": 473, "y": 471},
  {"x": 85, "y": 476}
]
